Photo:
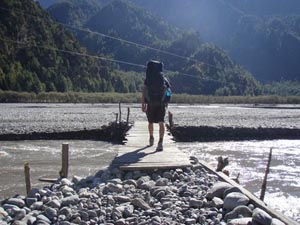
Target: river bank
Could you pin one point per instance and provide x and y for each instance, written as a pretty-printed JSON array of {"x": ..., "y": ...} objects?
[
  {"x": 182, "y": 196},
  {"x": 24, "y": 118}
]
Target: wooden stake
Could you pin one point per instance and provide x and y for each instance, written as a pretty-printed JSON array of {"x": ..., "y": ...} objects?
[
  {"x": 65, "y": 161},
  {"x": 171, "y": 124},
  {"x": 264, "y": 184},
  {"x": 27, "y": 177},
  {"x": 120, "y": 119},
  {"x": 117, "y": 115},
  {"x": 128, "y": 112}
]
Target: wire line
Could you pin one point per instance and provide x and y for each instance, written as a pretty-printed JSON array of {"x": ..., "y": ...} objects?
[{"x": 118, "y": 39}]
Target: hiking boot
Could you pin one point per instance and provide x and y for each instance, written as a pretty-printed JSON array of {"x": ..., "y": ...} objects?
[
  {"x": 159, "y": 147},
  {"x": 151, "y": 141}
]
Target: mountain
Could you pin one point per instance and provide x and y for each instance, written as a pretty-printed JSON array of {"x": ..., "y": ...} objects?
[
  {"x": 263, "y": 36},
  {"x": 74, "y": 12},
  {"x": 46, "y": 3},
  {"x": 121, "y": 19},
  {"x": 35, "y": 54},
  {"x": 38, "y": 54}
]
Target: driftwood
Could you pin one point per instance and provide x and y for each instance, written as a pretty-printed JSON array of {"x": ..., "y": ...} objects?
[
  {"x": 222, "y": 163},
  {"x": 264, "y": 184},
  {"x": 128, "y": 113},
  {"x": 27, "y": 177},
  {"x": 65, "y": 161}
]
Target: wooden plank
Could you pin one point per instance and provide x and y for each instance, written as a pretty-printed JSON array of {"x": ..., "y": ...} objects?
[
  {"x": 254, "y": 200},
  {"x": 48, "y": 179},
  {"x": 137, "y": 155}
]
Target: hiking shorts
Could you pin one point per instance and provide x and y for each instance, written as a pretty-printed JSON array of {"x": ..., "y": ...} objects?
[{"x": 156, "y": 112}]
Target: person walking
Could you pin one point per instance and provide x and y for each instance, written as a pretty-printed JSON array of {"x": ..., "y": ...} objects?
[{"x": 154, "y": 102}]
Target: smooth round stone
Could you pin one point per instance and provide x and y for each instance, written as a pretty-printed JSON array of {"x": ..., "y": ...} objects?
[
  {"x": 230, "y": 190},
  {"x": 37, "y": 205},
  {"x": 147, "y": 185},
  {"x": 114, "y": 188},
  {"x": 128, "y": 211},
  {"x": 217, "y": 190},
  {"x": 189, "y": 221},
  {"x": 20, "y": 214},
  {"x": 142, "y": 180},
  {"x": 51, "y": 213},
  {"x": 16, "y": 201},
  {"x": 71, "y": 200},
  {"x": 34, "y": 192},
  {"x": 235, "y": 199},
  {"x": 120, "y": 222},
  {"x": 65, "y": 211},
  {"x": 54, "y": 204},
  {"x": 195, "y": 203},
  {"x": 168, "y": 175},
  {"x": 66, "y": 181},
  {"x": 240, "y": 221},
  {"x": 261, "y": 217},
  {"x": 84, "y": 215},
  {"x": 30, "y": 201},
  {"x": 237, "y": 212},
  {"x": 162, "y": 182},
  {"x": 217, "y": 202},
  {"x": 139, "y": 202},
  {"x": 277, "y": 222},
  {"x": 43, "y": 218}
]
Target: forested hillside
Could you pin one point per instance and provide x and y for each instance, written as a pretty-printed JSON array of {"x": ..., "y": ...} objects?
[
  {"x": 38, "y": 55},
  {"x": 210, "y": 71},
  {"x": 263, "y": 36},
  {"x": 74, "y": 12}
]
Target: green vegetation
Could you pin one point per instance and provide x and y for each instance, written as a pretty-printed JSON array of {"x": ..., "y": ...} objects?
[
  {"x": 210, "y": 70},
  {"x": 74, "y": 12},
  {"x": 38, "y": 55},
  {"x": 113, "y": 97},
  {"x": 263, "y": 36},
  {"x": 25, "y": 66}
]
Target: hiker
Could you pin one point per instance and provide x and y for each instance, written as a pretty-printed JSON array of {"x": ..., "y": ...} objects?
[{"x": 154, "y": 100}]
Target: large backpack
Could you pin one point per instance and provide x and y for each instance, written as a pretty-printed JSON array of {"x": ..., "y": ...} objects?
[{"x": 155, "y": 82}]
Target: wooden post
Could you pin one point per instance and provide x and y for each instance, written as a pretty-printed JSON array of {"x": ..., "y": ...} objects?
[
  {"x": 27, "y": 177},
  {"x": 264, "y": 184},
  {"x": 117, "y": 115},
  {"x": 170, "y": 115},
  {"x": 120, "y": 119},
  {"x": 65, "y": 161},
  {"x": 128, "y": 112}
]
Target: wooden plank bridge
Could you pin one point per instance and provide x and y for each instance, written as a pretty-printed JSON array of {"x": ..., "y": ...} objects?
[{"x": 136, "y": 154}]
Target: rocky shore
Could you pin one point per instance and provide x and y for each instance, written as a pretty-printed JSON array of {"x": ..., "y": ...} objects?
[
  {"x": 113, "y": 132},
  {"x": 180, "y": 196},
  {"x": 206, "y": 133}
]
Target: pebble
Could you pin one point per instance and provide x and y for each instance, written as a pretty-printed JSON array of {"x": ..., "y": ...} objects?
[{"x": 181, "y": 196}]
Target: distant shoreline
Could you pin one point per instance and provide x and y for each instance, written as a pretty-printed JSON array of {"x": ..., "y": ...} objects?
[{"x": 113, "y": 97}]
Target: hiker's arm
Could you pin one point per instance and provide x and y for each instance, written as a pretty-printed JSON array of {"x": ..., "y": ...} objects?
[{"x": 144, "y": 106}]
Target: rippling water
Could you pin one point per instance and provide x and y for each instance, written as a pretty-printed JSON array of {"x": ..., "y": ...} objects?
[
  {"x": 249, "y": 158},
  {"x": 85, "y": 158}
]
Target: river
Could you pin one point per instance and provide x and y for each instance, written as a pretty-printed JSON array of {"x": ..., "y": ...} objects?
[{"x": 249, "y": 158}]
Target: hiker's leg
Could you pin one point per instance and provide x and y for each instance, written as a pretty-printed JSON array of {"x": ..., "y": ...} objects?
[
  {"x": 151, "y": 138},
  {"x": 150, "y": 129},
  {"x": 161, "y": 131}
]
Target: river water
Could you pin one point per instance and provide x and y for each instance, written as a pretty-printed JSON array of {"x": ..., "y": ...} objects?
[{"x": 249, "y": 158}]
